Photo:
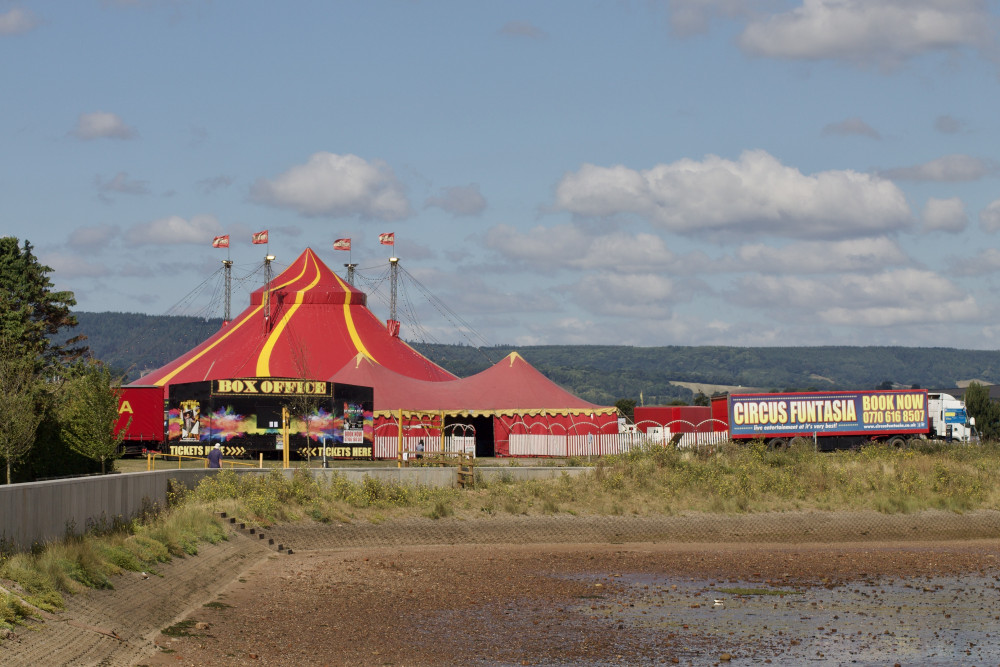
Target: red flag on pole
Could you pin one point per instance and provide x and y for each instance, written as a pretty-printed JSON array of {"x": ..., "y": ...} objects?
[
  {"x": 260, "y": 237},
  {"x": 221, "y": 241},
  {"x": 342, "y": 244},
  {"x": 387, "y": 239}
]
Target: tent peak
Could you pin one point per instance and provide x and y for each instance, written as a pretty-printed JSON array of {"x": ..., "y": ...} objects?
[
  {"x": 362, "y": 358},
  {"x": 513, "y": 357}
]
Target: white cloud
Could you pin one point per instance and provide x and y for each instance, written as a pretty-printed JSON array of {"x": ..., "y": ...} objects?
[
  {"x": 628, "y": 295},
  {"x": 461, "y": 200},
  {"x": 522, "y": 29},
  {"x": 949, "y": 124},
  {"x": 65, "y": 265},
  {"x": 476, "y": 296},
  {"x": 569, "y": 247},
  {"x": 122, "y": 185},
  {"x": 752, "y": 196},
  {"x": 95, "y": 237},
  {"x": 211, "y": 185},
  {"x": 852, "y": 126},
  {"x": 851, "y": 255},
  {"x": 890, "y": 298},
  {"x": 336, "y": 186},
  {"x": 174, "y": 231},
  {"x": 947, "y": 169},
  {"x": 984, "y": 262},
  {"x": 989, "y": 217},
  {"x": 17, "y": 21},
  {"x": 945, "y": 215},
  {"x": 883, "y": 32},
  {"x": 102, "y": 124}
]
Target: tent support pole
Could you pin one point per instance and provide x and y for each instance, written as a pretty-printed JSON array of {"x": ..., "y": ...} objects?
[{"x": 399, "y": 452}]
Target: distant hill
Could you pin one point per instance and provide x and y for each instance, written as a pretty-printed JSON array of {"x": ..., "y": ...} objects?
[{"x": 132, "y": 342}]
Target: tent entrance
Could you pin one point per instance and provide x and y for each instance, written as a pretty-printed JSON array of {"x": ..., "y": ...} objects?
[{"x": 484, "y": 432}]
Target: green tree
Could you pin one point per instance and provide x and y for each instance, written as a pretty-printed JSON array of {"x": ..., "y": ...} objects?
[
  {"x": 626, "y": 408},
  {"x": 701, "y": 399},
  {"x": 20, "y": 413},
  {"x": 31, "y": 313},
  {"x": 90, "y": 411},
  {"x": 985, "y": 411}
]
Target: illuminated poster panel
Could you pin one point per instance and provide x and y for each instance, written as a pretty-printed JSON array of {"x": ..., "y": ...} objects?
[{"x": 244, "y": 416}]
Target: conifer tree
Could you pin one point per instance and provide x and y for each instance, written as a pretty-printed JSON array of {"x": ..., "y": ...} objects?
[{"x": 31, "y": 312}]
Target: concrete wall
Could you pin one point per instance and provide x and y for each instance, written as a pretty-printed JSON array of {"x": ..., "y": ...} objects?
[{"x": 46, "y": 511}]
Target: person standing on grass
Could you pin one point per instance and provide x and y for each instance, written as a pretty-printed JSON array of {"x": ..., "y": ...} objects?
[{"x": 215, "y": 457}]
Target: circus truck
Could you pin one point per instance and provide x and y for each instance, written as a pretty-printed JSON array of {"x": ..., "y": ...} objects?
[
  {"x": 248, "y": 417},
  {"x": 844, "y": 419}
]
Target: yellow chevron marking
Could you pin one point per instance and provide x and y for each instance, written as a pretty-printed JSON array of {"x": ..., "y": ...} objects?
[
  {"x": 349, "y": 320},
  {"x": 232, "y": 329}
]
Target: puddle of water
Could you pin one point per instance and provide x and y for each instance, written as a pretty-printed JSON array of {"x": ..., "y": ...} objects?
[{"x": 937, "y": 621}]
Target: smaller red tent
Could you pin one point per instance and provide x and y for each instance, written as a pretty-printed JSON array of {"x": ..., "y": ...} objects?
[{"x": 512, "y": 394}]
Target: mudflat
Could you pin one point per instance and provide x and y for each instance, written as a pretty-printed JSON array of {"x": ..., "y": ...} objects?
[{"x": 690, "y": 589}]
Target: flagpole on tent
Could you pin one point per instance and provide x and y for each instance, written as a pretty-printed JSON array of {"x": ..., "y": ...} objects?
[
  {"x": 350, "y": 266},
  {"x": 264, "y": 238},
  {"x": 267, "y": 290},
  {"x": 223, "y": 242},
  {"x": 389, "y": 239},
  {"x": 228, "y": 264},
  {"x": 394, "y": 275}
]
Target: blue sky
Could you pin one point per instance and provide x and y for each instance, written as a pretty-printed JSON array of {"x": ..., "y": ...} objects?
[{"x": 728, "y": 172}]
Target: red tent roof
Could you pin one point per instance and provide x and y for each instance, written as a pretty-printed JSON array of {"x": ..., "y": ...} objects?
[
  {"x": 511, "y": 386},
  {"x": 308, "y": 325}
]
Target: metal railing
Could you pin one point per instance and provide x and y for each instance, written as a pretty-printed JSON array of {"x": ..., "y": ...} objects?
[{"x": 152, "y": 456}]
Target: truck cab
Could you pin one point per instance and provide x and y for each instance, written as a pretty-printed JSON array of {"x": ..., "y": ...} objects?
[{"x": 949, "y": 420}]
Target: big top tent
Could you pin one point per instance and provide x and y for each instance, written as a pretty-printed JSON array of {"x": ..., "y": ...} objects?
[{"x": 307, "y": 323}]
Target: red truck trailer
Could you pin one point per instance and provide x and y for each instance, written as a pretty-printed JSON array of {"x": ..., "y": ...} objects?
[
  {"x": 843, "y": 419},
  {"x": 141, "y": 412}
]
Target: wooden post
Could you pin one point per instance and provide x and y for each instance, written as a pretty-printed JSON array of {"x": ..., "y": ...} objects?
[{"x": 285, "y": 445}]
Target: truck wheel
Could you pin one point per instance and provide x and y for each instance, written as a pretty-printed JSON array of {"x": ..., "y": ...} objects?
[
  {"x": 799, "y": 442},
  {"x": 897, "y": 442},
  {"x": 777, "y": 444}
]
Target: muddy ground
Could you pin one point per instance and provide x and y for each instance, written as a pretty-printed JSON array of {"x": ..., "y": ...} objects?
[{"x": 553, "y": 590}]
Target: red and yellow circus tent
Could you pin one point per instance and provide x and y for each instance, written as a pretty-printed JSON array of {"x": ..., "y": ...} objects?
[{"x": 309, "y": 323}]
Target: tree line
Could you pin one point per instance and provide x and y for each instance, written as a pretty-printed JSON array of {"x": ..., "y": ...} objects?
[
  {"x": 58, "y": 408},
  {"x": 133, "y": 343}
]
